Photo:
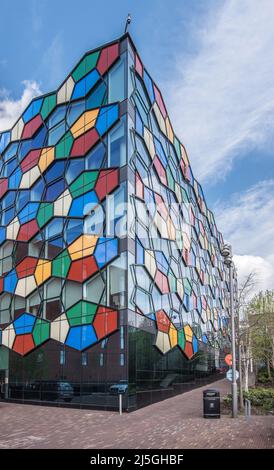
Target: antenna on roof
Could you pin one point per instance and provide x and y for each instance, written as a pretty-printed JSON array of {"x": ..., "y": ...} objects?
[{"x": 128, "y": 22}]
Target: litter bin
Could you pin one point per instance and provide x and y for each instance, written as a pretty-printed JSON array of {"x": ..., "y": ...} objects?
[{"x": 211, "y": 403}]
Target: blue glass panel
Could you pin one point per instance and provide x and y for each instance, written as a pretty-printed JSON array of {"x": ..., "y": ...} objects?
[
  {"x": 74, "y": 230},
  {"x": 24, "y": 324},
  {"x": 84, "y": 86},
  {"x": 56, "y": 133},
  {"x": 24, "y": 149},
  {"x": 140, "y": 253},
  {"x": 11, "y": 152},
  {"x": 116, "y": 80},
  {"x": 81, "y": 337},
  {"x": 54, "y": 228},
  {"x": 39, "y": 139},
  {"x": 160, "y": 151},
  {"x": 37, "y": 191},
  {"x": 204, "y": 339},
  {"x": 23, "y": 197},
  {"x": 4, "y": 140},
  {"x": 195, "y": 344},
  {"x": 10, "y": 281},
  {"x": 9, "y": 199},
  {"x": 55, "y": 171},
  {"x": 161, "y": 261},
  {"x": 32, "y": 110},
  {"x": 29, "y": 212},
  {"x": 82, "y": 205},
  {"x": 106, "y": 250},
  {"x": 75, "y": 167},
  {"x": 2, "y": 235},
  {"x": 15, "y": 179},
  {"x": 96, "y": 99},
  {"x": 106, "y": 118},
  {"x": 54, "y": 191},
  {"x": 139, "y": 123},
  {"x": 9, "y": 167},
  {"x": 75, "y": 110},
  {"x": 57, "y": 116},
  {"x": 94, "y": 159},
  {"x": 7, "y": 216},
  {"x": 149, "y": 87}
]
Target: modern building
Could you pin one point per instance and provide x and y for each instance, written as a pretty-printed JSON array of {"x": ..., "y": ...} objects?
[{"x": 110, "y": 263}]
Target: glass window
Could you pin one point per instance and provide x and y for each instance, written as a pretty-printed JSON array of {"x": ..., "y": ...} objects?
[
  {"x": 57, "y": 116},
  {"x": 62, "y": 357},
  {"x": 94, "y": 159},
  {"x": 117, "y": 146},
  {"x": 122, "y": 337},
  {"x": 84, "y": 358},
  {"x": 75, "y": 110},
  {"x": 74, "y": 169},
  {"x": 101, "y": 359},
  {"x": 122, "y": 359},
  {"x": 117, "y": 82},
  {"x": 56, "y": 133},
  {"x": 54, "y": 190}
]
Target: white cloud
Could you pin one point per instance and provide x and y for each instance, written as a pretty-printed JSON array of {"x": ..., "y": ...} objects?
[
  {"x": 11, "y": 109},
  {"x": 222, "y": 98},
  {"x": 246, "y": 221}
]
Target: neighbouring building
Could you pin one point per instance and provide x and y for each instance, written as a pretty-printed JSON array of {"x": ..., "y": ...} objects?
[{"x": 110, "y": 263}]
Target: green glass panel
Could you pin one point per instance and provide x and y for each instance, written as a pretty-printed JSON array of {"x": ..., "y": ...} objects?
[
  {"x": 181, "y": 338},
  {"x": 172, "y": 283},
  {"x": 48, "y": 105},
  {"x": 45, "y": 213},
  {"x": 84, "y": 183},
  {"x": 187, "y": 286},
  {"x": 177, "y": 148},
  {"x": 170, "y": 179},
  {"x": 63, "y": 148},
  {"x": 41, "y": 331},
  {"x": 85, "y": 66},
  {"x": 82, "y": 313},
  {"x": 61, "y": 264}
]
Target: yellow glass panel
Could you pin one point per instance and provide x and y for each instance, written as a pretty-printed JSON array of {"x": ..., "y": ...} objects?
[
  {"x": 83, "y": 246},
  {"x": 170, "y": 133},
  {"x": 42, "y": 271},
  {"x": 173, "y": 336},
  {"x": 46, "y": 157},
  {"x": 84, "y": 123},
  {"x": 188, "y": 333}
]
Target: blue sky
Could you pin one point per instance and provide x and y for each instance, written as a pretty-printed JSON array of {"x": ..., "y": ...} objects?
[{"x": 213, "y": 61}]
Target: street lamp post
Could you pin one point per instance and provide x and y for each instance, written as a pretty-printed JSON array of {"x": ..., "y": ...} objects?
[{"x": 227, "y": 254}]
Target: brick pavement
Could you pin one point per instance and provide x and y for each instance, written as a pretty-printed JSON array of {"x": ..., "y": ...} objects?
[{"x": 173, "y": 423}]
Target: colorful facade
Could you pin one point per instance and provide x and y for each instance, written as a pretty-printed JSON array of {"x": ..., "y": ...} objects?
[{"x": 110, "y": 259}]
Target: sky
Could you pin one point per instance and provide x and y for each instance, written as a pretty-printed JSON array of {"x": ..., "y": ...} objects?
[{"x": 213, "y": 60}]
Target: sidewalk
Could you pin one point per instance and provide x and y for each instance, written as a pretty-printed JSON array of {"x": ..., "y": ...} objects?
[{"x": 173, "y": 423}]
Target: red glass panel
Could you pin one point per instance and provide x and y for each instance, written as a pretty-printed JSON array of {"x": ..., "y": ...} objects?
[
  {"x": 162, "y": 282},
  {"x": 188, "y": 350},
  {"x": 82, "y": 269},
  {"x": 23, "y": 344},
  {"x": 27, "y": 231},
  {"x": 105, "y": 322},
  {"x": 26, "y": 267},
  {"x": 163, "y": 322},
  {"x": 160, "y": 170},
  {"x": 107, "y": 57},
  {"x": 160, "y": 101},
  {"x": 138, "y": 65},
  {"x": 31, "y": 127},
  {"x": 30, "y": 160},
  {"x": 107, "y": 181},
  {"x": 3, "y": 186},
  {"x": 84, "y": 143},
  {"x": 139, "y": 186}
]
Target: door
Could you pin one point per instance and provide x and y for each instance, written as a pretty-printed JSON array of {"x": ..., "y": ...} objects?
[{"x": 2, "y": 383}]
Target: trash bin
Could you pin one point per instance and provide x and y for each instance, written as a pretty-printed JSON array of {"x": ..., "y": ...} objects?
[{"x": 211, "y": 403}]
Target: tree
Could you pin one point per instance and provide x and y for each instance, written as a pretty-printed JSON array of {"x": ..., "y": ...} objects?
[{"x": 243, "y": 332}]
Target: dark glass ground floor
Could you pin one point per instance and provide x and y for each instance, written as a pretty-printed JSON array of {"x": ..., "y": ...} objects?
[{"x": 57, "y": 375}]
